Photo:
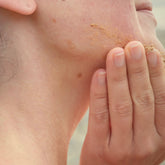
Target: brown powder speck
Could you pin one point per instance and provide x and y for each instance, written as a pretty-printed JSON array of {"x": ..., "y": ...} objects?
[
  {"x": 103, "y": 30},
  {"x": 120, "y": 39},
  {"x": 98, "y": 26},
  {"x": 148, "y": 48},
  {"x": 163, "y": 57}
]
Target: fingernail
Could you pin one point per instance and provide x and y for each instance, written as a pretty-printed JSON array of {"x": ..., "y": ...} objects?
[
  {"x": 119, "y": 59},
  {"x": 101, "y": 77},
  {"x": 136, "y": 50},
  {"x": 152, "y": 58}
]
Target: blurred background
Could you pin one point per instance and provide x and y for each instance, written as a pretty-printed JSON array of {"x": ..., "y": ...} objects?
[{"x": 79, "y": 135}]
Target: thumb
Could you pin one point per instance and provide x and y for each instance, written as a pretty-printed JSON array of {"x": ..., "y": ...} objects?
[{"x": 99, "y": 123}]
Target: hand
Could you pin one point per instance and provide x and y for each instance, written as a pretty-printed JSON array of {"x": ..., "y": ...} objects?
[{"x": 127, "y": 110}]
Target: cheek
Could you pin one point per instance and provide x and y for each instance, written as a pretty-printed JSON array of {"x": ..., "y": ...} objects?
[{"x": 92, "y": 31}]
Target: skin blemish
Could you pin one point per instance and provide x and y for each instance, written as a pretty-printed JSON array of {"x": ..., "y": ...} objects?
[
  {"x": 54, "y": 20},
  {"x": 79, "y": 75}
]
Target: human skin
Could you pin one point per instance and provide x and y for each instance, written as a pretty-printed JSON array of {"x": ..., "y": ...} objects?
[
  {"x": 126, "y": 118},
  {"x": 47, "y": 62}
]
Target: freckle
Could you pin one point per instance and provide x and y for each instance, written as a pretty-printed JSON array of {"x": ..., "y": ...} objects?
[
  {"x": 79, "y": 75},
  {"x": 54, "y": 20}
]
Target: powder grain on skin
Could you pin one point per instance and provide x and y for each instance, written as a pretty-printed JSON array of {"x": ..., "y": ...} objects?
[
  {"x": 103, "y": 30},
  {"x": 119, "y": 38},
  {"x": 150, "y": 48}
]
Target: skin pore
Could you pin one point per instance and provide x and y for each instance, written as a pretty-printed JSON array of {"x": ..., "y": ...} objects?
[{"x": 47, "y": 60}]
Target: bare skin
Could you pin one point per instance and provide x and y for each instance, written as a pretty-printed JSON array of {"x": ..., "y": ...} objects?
[
  {"x": 126, "y": 119},
  {"x": 48, "y": 56}
]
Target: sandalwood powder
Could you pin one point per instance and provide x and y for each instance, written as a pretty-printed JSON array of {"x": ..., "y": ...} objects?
[{"x": 119, "y": 38}]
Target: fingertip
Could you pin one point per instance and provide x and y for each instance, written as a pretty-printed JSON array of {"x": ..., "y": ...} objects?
[
  {"x": 101, "y": 77},
  {"x": 114, "y": 51},
  {"x": 153, "y": 50},
  {"x": 133, "y": 44},
  {"x": 154, "y": 58},
  {"x": 100, "y": 73}
]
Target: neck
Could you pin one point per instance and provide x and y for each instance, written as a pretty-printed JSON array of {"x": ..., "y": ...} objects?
[{"x": 42, "y": 99}]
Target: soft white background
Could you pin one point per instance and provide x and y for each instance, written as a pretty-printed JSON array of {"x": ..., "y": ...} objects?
[{"x": 79, "y": 135}]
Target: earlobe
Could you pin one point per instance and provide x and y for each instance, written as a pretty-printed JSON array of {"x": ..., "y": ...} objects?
[{"x": 24, "y": 7}]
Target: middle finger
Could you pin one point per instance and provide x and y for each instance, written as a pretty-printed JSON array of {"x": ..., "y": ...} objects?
[{"x": 140, "y": 89}]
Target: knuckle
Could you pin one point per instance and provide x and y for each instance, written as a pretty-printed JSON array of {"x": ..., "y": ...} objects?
[
  {"x": 95, "y": 152},
  {"x": 160, "y": 98},
  {"x": 91, "y": 153},
  {"x": 156, "y": 73},
  {"x": 144, "y": 154},
  {"x": 121, "y": 155},
  {"x": 102, "y": 114},
  {"x": 121, "y": 78},
  {"x": 144, "y": 99},
  {"x": 90, "y": 147},
  {"x": 101, "y": 153},
  {"x": 149, "y": 150},
  {"x": 139, "y": 71},
  {"x": 100, "y": 106},
  {"x": 141, "y": 155},
  {"x": 99, "y": 96},
  {"x": 123, "y": 109},
  {"x": 161, "y": 146}
]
